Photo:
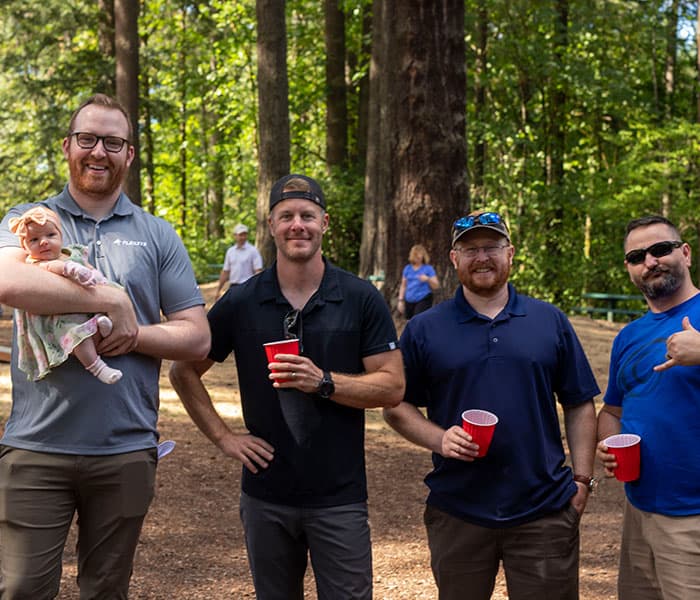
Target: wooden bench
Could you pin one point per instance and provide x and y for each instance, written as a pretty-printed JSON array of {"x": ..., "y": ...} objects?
[{"x": 611, "y": 306}]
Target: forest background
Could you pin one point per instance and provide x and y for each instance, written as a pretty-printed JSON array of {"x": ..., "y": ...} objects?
[{"x": 568, "y": 116}]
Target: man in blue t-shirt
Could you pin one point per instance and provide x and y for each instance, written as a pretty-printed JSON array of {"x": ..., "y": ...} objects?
[
  {"x": 491, "y": 348},
  {"x": 653, "y": 391}
]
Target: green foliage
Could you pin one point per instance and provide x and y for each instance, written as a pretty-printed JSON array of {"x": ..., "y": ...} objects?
[{"x": 628, "y": 146}]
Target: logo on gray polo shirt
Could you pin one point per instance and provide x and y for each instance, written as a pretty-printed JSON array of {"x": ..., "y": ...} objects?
[{"x": 119, "y": 242}]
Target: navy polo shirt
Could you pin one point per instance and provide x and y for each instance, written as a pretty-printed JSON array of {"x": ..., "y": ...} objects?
[
  {"x": 516, "y": 365},
  {"x": 319, "y": 444}
]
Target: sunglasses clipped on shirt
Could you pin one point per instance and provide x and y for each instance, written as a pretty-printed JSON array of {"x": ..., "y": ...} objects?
[
  {"x": 487, "y": 218},
  {"x": 636, "y": 257},
  {"x": 292, "y": 326},
  {"x": 87, "y": 141}
]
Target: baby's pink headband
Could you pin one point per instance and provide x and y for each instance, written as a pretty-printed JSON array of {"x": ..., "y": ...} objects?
[{"x": 39, "y": 215}]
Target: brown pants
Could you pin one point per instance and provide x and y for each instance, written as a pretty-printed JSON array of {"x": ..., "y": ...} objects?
[
  {"x": 540, "y": 558},
  {"x": 39, "y": 494},
  {"x": 659, "y": 556}
]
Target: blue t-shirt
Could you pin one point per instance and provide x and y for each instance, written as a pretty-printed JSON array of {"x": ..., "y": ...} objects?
[
  {"x": 516, "y": 365},
  {"x": 416, "y": 289},
  {"x": 661, "y": 407}
]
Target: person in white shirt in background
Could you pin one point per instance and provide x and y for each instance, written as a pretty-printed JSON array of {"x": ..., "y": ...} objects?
[{"x": 242, "y": 260}]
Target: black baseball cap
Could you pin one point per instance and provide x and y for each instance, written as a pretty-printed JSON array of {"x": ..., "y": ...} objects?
[{"x": 313, "y": 193}]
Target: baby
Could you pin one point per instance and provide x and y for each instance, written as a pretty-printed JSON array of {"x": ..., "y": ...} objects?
[{"x": 46, "y": 341}]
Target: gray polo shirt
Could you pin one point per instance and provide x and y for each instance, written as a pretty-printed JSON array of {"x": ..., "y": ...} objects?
[{"x": 70, "y": 411}]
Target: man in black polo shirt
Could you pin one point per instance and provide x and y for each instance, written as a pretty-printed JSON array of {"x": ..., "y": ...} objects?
[{"x": 304, "y": 484}]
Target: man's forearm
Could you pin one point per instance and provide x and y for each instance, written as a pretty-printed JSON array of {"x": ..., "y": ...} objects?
[
  {"x": 40, "y": 292},
  {"x": 186, "y": 379},
  {"x": 608, "y": 422},
  {"x": 184, "y": 336},
  {"x": 580, "y": 426},
  {"x": 412, "y": 424}
]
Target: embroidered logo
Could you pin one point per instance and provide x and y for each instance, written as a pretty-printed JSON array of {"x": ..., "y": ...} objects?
[{"x": 119, "y": 242}]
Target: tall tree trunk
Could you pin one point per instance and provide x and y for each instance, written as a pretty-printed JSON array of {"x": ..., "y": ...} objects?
[
  {"x": 105, "y": 42},
  {"x": 182, "y": 124},
  {"x": 213, "y": 209},
  {"x": 336, "y": 92},
  {"x": 378, "y": 185},
  {"x": 126, "y": 34},
  {"x": 670, "y": 84},
  {"x": 422, "y": 132},
  {"x": 363, "y": 94},
  {"x": 273, "y": 110},
  {"x": 480, "y": 108},
  {"x": 148, "y": 148},
  {"x": 671, "y": 52}
]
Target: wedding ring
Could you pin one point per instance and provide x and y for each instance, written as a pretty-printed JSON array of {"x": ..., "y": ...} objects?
[{"x": 294, "y": 374}]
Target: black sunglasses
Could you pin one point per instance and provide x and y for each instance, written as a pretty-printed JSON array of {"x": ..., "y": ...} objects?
[
  {"x": 291, "y": 322},
  {"x": 635, "y": 257},
  {"x": 87, "y": 141},
  {"x": 487, "y": 218}
]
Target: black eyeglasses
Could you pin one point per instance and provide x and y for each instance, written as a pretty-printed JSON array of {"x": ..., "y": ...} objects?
[
  {"x": 635, "y": 257},
  {"x": 291, "y": 322},
  {"x": 87, "y": 141},
  {"x": 487, "y": 218}
]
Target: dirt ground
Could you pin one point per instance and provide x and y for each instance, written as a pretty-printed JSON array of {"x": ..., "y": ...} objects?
[{"x": 192, "y": 544}]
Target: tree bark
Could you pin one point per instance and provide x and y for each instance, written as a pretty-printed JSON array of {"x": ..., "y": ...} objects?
[
  {"x": 373, "y": 245},
  {"x": 421, "y": 111},
  {"x": 480, "y": 79},
  {"x": 126, "y": 35},
  {"x": 105, "y": 41},
  {"x": 336, "y": 91},
  {"x": 273, "y": 111}
]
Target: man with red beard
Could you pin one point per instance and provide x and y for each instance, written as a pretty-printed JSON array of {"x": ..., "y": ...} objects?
[
  {"x": 73, "y": 444},
  {"x": 493, "y": 349},
  {"x": 304, "y": 487},
  {"x": 653, "y": 392}
]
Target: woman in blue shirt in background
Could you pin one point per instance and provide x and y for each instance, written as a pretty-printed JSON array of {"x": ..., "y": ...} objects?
[{"x": 417, "y": 283}]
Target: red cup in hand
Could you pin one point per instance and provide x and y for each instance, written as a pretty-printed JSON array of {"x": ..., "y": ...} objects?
[
  {"x": 480, "y": 424},
  {"x": 625, "y": 447},
  {"x": 272, "y": 349}
]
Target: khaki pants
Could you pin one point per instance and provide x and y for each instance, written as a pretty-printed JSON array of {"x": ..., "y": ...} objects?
[
  {"x": 40, "y": 493},
  {"x": 540, "y": 558},
  {"x": 659, "y": 556}
]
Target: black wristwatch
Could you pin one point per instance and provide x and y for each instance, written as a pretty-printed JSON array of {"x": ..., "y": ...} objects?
[{"x": 326, "y": 387}]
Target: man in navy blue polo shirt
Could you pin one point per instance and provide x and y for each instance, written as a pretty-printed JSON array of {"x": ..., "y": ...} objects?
[
  {"x": 304, "y": 484},
  {"x": 491, "y": 348}
]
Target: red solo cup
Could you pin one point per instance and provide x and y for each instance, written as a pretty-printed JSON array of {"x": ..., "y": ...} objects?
[
  {"x": 480, "y": 424},
  {"x": 272, "y": 349},
  {"x": 625, "y": 447}
]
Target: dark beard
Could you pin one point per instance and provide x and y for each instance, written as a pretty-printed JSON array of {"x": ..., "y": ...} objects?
[{"x": 663, "y": 288}]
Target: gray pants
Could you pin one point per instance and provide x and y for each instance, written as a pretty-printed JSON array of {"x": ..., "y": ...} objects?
[
  {"x": 278, "y": 539},
  {"x": 40, "y": 493}
]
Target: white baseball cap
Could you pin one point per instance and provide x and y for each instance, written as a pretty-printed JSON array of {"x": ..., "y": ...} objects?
[{"x": 240, "y": 228}]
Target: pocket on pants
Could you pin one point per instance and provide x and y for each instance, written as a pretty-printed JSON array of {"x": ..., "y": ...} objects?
[{"x": 138, "y": 485}]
